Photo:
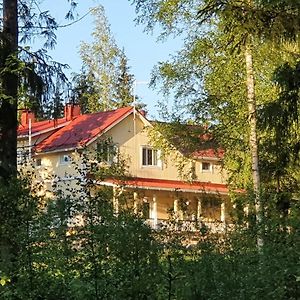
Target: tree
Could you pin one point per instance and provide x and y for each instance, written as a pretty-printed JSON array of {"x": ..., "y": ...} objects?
[
  {"x": 24, "y": 75},
  {"x": 244, "y": 26},
  {"x": 23, "y": 72},
  {"x": 9, "y": 89},
  {"x": 105, "y": 81},
  {"x": 125, "y": 82}
]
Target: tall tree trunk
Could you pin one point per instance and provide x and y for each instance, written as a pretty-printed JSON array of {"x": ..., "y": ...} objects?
[
  {"x": 8, "y": 97},
  {"x": 250, "y": 82},
  {"x": 8, "y": 135}
]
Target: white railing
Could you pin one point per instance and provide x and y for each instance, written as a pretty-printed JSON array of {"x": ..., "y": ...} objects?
[{"x": 188, "y": 225}]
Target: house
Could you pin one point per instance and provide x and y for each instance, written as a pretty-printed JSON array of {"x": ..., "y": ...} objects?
[{"x": 56, "y": 147}]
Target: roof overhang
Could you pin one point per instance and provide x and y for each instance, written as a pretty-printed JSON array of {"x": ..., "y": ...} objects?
[
  {"x": 168, "y": 185},
  {"x": 45, "y": 130}
]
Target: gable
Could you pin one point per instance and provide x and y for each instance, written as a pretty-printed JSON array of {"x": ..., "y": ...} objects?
[{"x": 82, "y": 130}]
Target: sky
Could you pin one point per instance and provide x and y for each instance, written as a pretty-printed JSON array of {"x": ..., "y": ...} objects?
[{"x": 142, "y": 49}]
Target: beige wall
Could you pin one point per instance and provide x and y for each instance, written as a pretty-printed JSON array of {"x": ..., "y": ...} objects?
[
  {"x": 131, "y": 144},
  {"x": 130, "y": 136}
]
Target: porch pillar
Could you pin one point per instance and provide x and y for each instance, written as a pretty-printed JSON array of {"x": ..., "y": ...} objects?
[
  {"x": 223, "y": 211},
  {"x": 246, "y": 210},
  {"x": 115, "y": 200},
  {"x": 246, "y": 214},
  {"x": 175, "y": 208},
  {"x": 135, "y": 202},
  {"x": 154, "y": 210},
  {"x": 199, "y": 210}
]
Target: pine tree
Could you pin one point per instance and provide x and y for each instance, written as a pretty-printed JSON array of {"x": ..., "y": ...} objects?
[
  {"x": 125, "y": 82},
  {"x": 25, "y": 76}
]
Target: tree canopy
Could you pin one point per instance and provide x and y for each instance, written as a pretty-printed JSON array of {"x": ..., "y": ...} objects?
[{"x": 105, "y": 81}]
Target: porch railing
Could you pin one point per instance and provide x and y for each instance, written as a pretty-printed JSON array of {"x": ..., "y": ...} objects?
[{"x": 188, "y": 225}]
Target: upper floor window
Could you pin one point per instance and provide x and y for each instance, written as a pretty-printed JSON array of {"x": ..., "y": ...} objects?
[
  {"x": 150, "y": 157},
  {"x": 107, "y": 152},
  {"x": 22, "y": 155},
  {"x": 206, "y": 167},
  {"x": 38, "y": 162},
  {"x": 65, "y": 159}
]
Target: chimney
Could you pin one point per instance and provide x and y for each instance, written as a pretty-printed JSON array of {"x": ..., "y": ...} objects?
[
  {"x": 25, "y": 116},
  {"x": 71, "y": 111},
  {"x": 143, "y": 112}
]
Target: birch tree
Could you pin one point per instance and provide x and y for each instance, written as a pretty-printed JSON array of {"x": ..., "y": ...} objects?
[
  {"x": 105, "y": 81},
  {"x": 242, "y": 26}
]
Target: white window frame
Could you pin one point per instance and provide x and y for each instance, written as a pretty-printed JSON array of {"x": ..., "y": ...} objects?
[
  {"x": 204, "y": 170},
  {"x": 155, "y": 157},
  {"x": 40, "y": 160},
  {"x": 112, "y": 154},
  {"x": 65, "y": 159}
]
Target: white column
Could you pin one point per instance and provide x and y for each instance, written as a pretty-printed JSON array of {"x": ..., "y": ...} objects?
[
  {"x": 246, "y": 214},
  {"x": 223, "y": 212},
  {"x": 135, "y": 202},
  {"x": 199, "y": 210},
  {"x": 115, "y": 201},
  {"x": 246, "y": 210},
  {"x": 154, "y": 210},
  {"x": 175, "y": 208}
]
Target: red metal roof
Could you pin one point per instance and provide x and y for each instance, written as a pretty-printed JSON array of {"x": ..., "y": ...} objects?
[
  {"x": 211, "y": 153},
  {"x": 42, "y": 126},
  {"x": 153, "y": 183},
  {"x": 81, "y": 130}
]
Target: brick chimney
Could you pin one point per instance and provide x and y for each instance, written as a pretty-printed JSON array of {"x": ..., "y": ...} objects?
[
  {"x": 27, "y": 114},
  {"x": 71, "y": 111}
]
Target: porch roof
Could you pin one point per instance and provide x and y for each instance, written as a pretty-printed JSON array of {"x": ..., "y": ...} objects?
[{"x": 170, "y": 185}]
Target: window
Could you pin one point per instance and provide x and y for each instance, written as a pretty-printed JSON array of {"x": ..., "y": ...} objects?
[
  {"x": 146, "y": 210},
  {"x": 150, "y": 157},
  {"x": 22, "y": 155},
  {"x": 206, "y": 167},
  {"x": 65, "y": 159},
  {"x": 107, "y": 152},
  {"x": 38, "y": 162}
]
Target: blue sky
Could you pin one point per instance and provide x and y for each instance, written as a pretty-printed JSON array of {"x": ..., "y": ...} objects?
[{"x": 142, "y": 49}]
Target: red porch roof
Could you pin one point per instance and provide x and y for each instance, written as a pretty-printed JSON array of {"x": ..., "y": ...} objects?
[{"x": 163, "y": 184}]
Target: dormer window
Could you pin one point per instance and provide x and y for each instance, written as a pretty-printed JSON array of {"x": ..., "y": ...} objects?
[{"x": 206, "y": 167}]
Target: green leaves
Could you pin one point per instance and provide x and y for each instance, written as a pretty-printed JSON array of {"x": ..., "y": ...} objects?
[{"x": 105, "y": 81}]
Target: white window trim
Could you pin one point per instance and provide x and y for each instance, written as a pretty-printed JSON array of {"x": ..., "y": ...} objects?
[
  {"x": 112, "y": 154},
  {"x": 210, "y": 170},
  {"x": 41, "y": 162},
  {"x": 159, "y": 164}
]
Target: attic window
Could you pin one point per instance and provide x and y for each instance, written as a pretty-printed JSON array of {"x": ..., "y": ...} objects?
[
  {"x": 65, "y": 159},
  {"x": 206, "y": 167},
  {"x": 150, "y": 157}
]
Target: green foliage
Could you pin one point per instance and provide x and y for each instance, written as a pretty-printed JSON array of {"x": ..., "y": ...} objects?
[
  {"x": 283, "y": 113},
  {"x": 105, "y": 81},
  {"x": 207, "y": 77},
  {"x": 77, "y": 247}
]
